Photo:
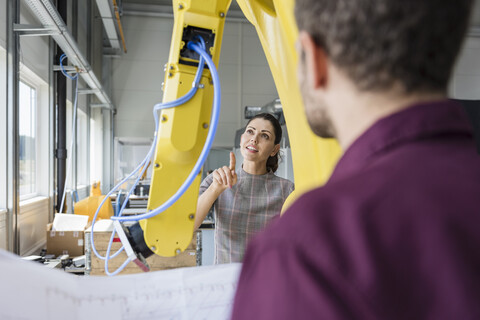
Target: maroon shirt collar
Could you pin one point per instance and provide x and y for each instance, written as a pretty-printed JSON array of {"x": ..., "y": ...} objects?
[{"x": 417, "y": 122}]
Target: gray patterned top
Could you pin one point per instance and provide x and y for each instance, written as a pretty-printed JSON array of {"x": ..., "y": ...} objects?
[{"x": 245, "y": 209}]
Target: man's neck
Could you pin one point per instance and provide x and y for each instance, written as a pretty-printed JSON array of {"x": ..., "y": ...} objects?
[{"x": 361, "y": 110}]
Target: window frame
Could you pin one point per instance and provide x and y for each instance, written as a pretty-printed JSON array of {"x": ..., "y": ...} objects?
[
  {"x": 27, "y": 81},
  {"x": 28, "y": 77}
]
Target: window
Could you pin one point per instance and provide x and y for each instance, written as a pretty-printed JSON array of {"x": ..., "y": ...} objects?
[
  {"x": 34, "y": 135},
  {"x": 27, "y": 132}
]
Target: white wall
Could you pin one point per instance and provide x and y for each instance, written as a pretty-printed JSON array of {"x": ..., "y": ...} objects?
[
  {"x": 137, "y": 76},
  {"x": 32, "y": 221},
  {"x": 33, "y": 50},
  {"x": 258, "y": 87},
  {"x": 246, "y": 79},
  {"x": 465, "y": 83}
]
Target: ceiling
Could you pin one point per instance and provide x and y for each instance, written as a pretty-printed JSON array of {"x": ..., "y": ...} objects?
[
  {"x": 164, "y": 7},
  {"x": 233, "y": 6},
  {"x": 235, "y": 9}
]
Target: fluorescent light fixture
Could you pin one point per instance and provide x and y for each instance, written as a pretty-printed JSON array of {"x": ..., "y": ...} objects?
[{"x": 106, "y": 13}]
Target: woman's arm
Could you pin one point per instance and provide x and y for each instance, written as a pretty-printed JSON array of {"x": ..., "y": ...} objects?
[
  {"x": 205, "y": 202},
  {"x": 223, "y": 178}
]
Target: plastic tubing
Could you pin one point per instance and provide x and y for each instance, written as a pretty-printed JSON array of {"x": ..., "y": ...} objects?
[
  {"x": 157, "y": 107},
  {"x": 161, "y": 106},
  {"x": 198, "y": 165},
  {"x": 62, "y": 57},
  {"x": 205, "y": 150},
  {"x": 72, "y": 136}
]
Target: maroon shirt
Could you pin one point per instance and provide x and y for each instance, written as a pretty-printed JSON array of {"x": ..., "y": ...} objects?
[{"x": 394, "y": 234}]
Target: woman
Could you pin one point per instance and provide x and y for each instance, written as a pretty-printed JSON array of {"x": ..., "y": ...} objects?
[{"x": 246, "y": 200}]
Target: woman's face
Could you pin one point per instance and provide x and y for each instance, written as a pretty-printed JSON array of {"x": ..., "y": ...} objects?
[{"x": 258, "y": 141}]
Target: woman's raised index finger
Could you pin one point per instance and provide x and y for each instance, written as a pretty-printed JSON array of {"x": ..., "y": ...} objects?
[{"x": 232, "y": 161}]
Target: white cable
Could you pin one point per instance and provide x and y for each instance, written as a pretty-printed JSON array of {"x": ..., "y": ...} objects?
[{"x": 73, "y": 135}]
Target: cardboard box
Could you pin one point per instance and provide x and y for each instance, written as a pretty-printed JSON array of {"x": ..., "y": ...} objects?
[
  {"x": 65, "y": 242},
  {"x": 96, "y": 266}
]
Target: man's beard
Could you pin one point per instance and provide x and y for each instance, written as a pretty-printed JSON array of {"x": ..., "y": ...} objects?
[
  {"x": 315, "y": 111},
  {"x": 321, "y": 124}
]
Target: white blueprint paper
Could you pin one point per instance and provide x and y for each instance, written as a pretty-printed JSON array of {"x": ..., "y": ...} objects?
[{"x": 29, "y": 290}]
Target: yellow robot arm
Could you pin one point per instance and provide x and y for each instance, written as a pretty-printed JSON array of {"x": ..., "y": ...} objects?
[
  {"x": 183, "y": 129},
  {"x": 313, "y": 158}
]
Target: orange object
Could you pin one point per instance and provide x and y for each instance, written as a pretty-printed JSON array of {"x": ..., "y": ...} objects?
[{"x": 89, "y": 206}]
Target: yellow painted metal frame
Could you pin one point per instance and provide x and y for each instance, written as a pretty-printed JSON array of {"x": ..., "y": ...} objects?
[
  {"x": 182, "y": 132},
  {"x": 183, "y": 129},
  {"x": 313, "y": 158}
]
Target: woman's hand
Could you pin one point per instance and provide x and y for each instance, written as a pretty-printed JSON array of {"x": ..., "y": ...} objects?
[{"x": 225, "y": 177}]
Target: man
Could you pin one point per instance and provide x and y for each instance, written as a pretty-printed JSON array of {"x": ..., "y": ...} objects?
[{"x": 394, "y": 233}]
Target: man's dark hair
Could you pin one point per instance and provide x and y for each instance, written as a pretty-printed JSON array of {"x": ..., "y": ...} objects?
[{"x": 382, "y": 43}]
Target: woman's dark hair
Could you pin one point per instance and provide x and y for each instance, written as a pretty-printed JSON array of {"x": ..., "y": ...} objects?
[{"x": 272, "y": 162}]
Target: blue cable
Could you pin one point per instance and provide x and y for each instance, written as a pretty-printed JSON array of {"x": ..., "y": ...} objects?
[
  {"x": 205, "y": 150},
  {"x": 64, "y": 72},
  {"x": 109, "y": 248},
  {"x": 161, "y": 106},
  {"x": 204, "y": 153},
  {"x": 63, "y": 57},
  {"x": 107, "y": 197},
  {"x": 189, "y": 95}
]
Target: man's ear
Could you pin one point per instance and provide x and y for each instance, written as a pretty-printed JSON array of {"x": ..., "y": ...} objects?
[
  {"x": 275, "y": 150},
  {"x": 315, "y": 61}
]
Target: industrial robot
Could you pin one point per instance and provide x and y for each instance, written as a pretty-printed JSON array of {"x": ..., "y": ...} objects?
[{"x": 183, "y": 130}]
